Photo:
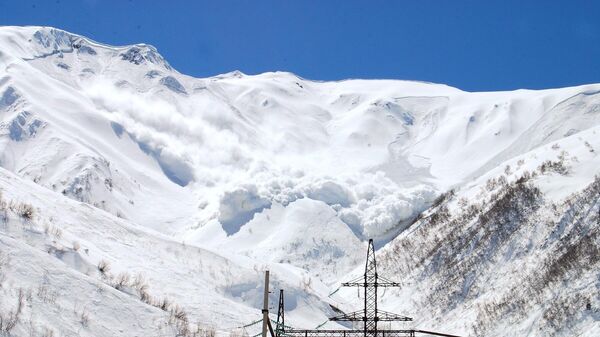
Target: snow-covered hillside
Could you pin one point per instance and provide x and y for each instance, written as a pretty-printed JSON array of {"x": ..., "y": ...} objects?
[{"x": 188, "y": 188}]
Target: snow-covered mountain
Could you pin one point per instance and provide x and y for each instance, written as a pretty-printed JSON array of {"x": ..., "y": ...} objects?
[{"x": 125, "y": 183}]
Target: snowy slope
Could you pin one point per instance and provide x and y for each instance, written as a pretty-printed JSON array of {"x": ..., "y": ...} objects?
[
  {"x": 514, "y": 252},
  {"x": 65, "y": 242},
  {"x": 204, "y": 182}
]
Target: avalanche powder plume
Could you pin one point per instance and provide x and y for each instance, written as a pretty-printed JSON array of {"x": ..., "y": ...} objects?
[{"x": 158, "y": 194}]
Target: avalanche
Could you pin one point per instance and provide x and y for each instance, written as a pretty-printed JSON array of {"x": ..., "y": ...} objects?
[{"x": 188, "y": 188}]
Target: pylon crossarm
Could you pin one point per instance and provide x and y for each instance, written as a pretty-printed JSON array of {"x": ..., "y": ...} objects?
[
  {"x": 371, "y": 284},
  {"x": 388, "y": 285},
  {"x": 351, "y": 316},
  {"x": 390, "y": 316},
  {"x": 357, "y": 284},
  {"x": 384, "y": 282}
]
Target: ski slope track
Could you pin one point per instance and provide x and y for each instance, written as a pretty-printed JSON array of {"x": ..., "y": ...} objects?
[{"x": 139, "y": 201}]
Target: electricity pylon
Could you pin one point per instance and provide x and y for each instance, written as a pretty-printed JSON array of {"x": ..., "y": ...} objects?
[
  {"x": 370, "y": 281},
  {"x": 370, "y": 314}
]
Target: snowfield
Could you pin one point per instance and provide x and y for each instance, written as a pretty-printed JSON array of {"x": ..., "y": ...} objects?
[{"x": 139, "y": 201}]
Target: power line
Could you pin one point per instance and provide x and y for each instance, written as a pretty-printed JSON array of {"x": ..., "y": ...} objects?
[{"x": 370, "y": 315}]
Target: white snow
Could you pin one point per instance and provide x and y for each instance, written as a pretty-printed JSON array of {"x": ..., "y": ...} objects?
[{"x": 248, "y": 171}]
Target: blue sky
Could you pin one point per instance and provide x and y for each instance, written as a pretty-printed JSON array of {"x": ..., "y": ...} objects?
[{"x": 473, "y": 45}]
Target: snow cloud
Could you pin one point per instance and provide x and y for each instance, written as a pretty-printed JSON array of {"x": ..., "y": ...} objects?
[{"x": 243, "y": 161}]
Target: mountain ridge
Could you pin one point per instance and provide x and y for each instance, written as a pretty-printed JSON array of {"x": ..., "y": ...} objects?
[{"x": 272, "y": 171}]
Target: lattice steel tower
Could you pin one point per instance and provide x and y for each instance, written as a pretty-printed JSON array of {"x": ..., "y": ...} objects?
[
  {"x": 370, "y": 314},
  {"x": 370, "y": 281}
]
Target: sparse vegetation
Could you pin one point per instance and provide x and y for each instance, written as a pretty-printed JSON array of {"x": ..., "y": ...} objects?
[
  {"x": 24, "y": 210},
  {"x": 121, "y": 281},
  {"x": 163, "y": 303},
  {"x": 84, "y": 318},
  {"x": 46, "y": 295},
  {"x": 139, "y": 281},
  {"x": 455, "y": 250},
  {"x": 103, "y": 267},
  {"x": 9, "y": 320},
  {"x": 179, "y": 320},
  {"x": 48, "y": 332},
  {"x": 144, "y": 295},
  {"x": 4, "y": 262},
  {"x": 3, "y": 208},
  {"x": 53, "y": 231},
  {"x": 205, "y": 331},
  {"x": 558, "y": 166},
  {"x": 443, "y": 197}
]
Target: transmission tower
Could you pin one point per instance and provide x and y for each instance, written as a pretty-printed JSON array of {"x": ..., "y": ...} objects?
[
  {"x": 370, "y": 314},
  {"x": 370, "y": 281},
  {"x": 280, "y": 325}
]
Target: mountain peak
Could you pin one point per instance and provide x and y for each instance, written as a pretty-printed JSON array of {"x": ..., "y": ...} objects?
[{"x": 33, "y": 42}]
